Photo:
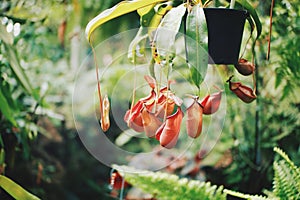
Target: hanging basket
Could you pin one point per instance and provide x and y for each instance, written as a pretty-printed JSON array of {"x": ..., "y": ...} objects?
[{"x": 225, "y": 32}]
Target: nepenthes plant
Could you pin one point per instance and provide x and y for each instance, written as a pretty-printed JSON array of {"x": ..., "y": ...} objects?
[{"x": 160, "y": 114}]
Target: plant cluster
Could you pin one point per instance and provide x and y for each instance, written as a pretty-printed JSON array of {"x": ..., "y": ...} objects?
[{"x": 160, "y": 114}]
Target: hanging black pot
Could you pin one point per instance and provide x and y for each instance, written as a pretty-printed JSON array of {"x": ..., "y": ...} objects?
[{"x": 225, "y": 32}]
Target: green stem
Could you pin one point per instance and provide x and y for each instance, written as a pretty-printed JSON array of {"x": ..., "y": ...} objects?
[
  {"x": 232, "y": 3},
  {"x": 257, "y": 123}
]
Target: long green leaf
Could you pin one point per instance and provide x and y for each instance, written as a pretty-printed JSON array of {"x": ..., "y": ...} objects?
[
  {"x": 2, "y": 153},
  {"x": 151, "y": 68},
  {"x": 160, "y": 11},
  {"x": 121, "y": 8},
  {"x": 150, "y": 19},
  {"x": 136, "y": 45},
  {"x": 18, "y": 70},
  {"x": 245, "y": 196},
  {"x": 197, "y": 44},
  {"x": 167, "y": 31},
  {"x": 253, "y": 14},
  {"x": 146, "y": 18},
  {"x": 15, "y": 190},
  {"x": 247, "y": 6},
  {"x": 6, "y": 109},
  {"x": 145, "y": 10},
  {"x": 126, "y": 136},
  {"x": 7, "y": 93}
]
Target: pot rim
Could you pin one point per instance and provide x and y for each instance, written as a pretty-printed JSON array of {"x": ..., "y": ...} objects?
[{"x": 227, "y": 10}]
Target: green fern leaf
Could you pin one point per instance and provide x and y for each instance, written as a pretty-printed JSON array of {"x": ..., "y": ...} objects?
[
  {"x": 169, "y": 186},
  {"x": 286, "y": 183},
  {"x": 245, "y": 196}
]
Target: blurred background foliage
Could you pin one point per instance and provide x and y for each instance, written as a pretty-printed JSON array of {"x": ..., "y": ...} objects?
[{"x": 42, "y": 45}]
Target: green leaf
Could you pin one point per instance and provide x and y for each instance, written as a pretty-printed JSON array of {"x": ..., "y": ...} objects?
[
  {"x": 126, "y": 136},
  {"x": 5, "y": 36},
  {"x": 15, "y": 190},
  {"x": 197, "y": 44},
  {"x": 1, "y": 142},
  {"x": 245, "y": 196},
  {"x": 121, "y": 8},
  {"x": 136, "y": 46},
  {"x": 286, "y": 181},
  {"x": 18, "y": 71},
  {"x": 7, "y": 93},
  {"x": 160, "y": 11},
  {"x": 251, "y": 23},
  {"x": 280, "y": 75},
  {"x": 253, "y": 15},
  {"x": 6, "y": 109},
  {"x": 287, "y": 160},
  {"x": 170, "y": 186},
  {"x": 151, "y": 68},
  {"x": 166, "y": 33},
  {"x": 2, "y": 154},
  {"x": 145, "y": 20},
  {"x": 145, "y": 10},
  {"x": 28, "y": 12},
  {"x": 247, "y": 6}
]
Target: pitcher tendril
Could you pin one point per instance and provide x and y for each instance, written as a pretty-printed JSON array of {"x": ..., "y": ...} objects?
[{"x": 104, "y": 115}]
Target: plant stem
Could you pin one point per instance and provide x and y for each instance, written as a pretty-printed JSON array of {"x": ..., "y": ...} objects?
[
  {"x": 133, "y": 93},
  {"x": 98, "y": 81},
  {"x": 270, "y": 30},
  {"x": 232, "y": 2},
  {"x": 257, "y": 124}
]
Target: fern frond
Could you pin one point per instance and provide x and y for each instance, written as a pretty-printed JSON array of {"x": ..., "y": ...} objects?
[
  {"x": 169, "y": 186},
  {"x": 286, "y": 183},
  {"x": 295, "y": 169},
  {"x": 246, "y": 196}
]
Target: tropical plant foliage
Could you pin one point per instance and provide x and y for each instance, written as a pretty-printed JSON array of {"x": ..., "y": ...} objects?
[
  {"x": 286, "y": 177},
  {"x": 39, "y": 147},
  {"x": 167, "y": 186}
]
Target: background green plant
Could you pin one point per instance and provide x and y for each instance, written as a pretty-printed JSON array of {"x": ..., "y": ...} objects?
[{"x": 286, "y": 183}]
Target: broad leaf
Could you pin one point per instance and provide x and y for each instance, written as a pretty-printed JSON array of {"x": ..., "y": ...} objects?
[
  {"x": 197, "y": 44},
  {"x": 143, "y": 11},
  {"x": 121, "y": 8},
  {"x": 6, "y": 109},
  {"x": 15, "y": 190},
  {"x": 137, "y": 45},
  {"x": 146, "y": 18},
  {"x": 166, "y": 33},
  {"x": 160, "y": 11}
]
